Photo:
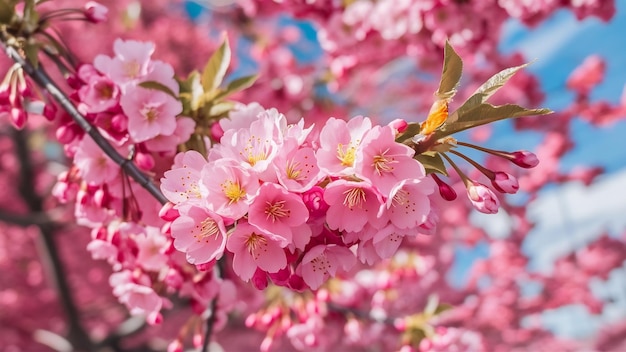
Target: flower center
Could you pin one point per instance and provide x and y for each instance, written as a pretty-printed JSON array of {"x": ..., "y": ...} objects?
[
  {"x": 208, "y": 227},
  {"x": 346, "y": 156},
  {"x": 381, "y": 163},
  {"x": 276, "y": 210},
  {"x": 131, "y": 69},
  {"x": 254, "y": 242},
  {"x": 293, "y": 170},
  {"x": 354, "y": 197},
  {"x": 233, "y": 191}
]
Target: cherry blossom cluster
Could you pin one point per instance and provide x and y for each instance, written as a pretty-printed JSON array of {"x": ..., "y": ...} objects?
[{"x": 296, "y": 200}]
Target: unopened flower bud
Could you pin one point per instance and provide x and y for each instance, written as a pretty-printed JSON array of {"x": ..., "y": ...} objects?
[
  {"x": 175, "y": 346},
  {"x": 18, "y": 117},
  {"x": 399, "y": 125},
  {"x": 483, "y": 198},
  {"x": 65, "y": 133},
  {"x": 505, "y": 183},
  {"x": 445, "y": 190},
  {"x": 168, "y": 213},
  {"x": 96, "y": 12},
  {"x": 49, "y": 111},
  {"x": 144, "y": 161},
  {"x": 525, "y": 159}
]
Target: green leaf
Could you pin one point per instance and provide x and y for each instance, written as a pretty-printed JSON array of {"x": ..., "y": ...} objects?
[
  {"x": 221, "y": 108},
  {"x": 451, "y": 74},
  {"x": 215, "y": 69},
  {"x": 237, "y": 85},
  {"x": 411, "y": 130},
  {"x": 31, "y": 49},
  {"x": 484, "y": 114},
  {"x": 433, "y": 162},
  {"x": 158, "y": 86},
  {"x": 485, "y": 91},
  {"x": 6, "y": 12}
]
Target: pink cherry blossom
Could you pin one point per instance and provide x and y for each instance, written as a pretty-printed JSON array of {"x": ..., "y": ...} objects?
[
  {"x": 324, "y": 261},
  {"x": 384, "y": 162},
  {"x": 98, "y": 95},
  {"x": 339, "y": 141},
  {"x": 408, "y": 205},
  {"x": 150, "y": 113},
  {"x": 130, "y": 62},
  {"x": 96, "y": 167},
  {"x": 230, "y": 188},
  {"x": 200, "y": 234},
  {"x": 352, "y": 205},
  {"x": 297, "y": 170},
  {"x": 152, "y": 245},
  {"x": 277, "y": 212},
  {"x": 252, "y": 249},
  {"x": 181, "y": 183},
  {"x": 184, "y": 128}
]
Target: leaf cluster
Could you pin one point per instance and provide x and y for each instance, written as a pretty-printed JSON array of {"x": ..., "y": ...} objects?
[{"x": 475, "y": 111}]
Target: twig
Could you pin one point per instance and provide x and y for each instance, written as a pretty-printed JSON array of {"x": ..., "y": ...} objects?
[
  {"x": 44, "y": 81},
  {"x": 76, "y": 334}
]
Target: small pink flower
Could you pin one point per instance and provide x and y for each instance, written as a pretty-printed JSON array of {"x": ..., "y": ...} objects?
[
  {"x": 229, "y": 187},
  {"x": 136, "y": 294},
  {"x": 384, "y": 162},
  {"x": 297, "y": 170},
  {"x": 130, "y": 63},
  {"x": 241, "y": 116},
  {"x": 181, "y": 183},
  {"x": 152, "y": 245},
  {"x": 408, "y": 205},
  {"x": 482, "y": 198},
  {"x": 200, "y": 234},
  {"x": 339, "y": 141},
  {"x": 150, "y": 113},
  {"x": 96, "y": 167},
  {"x": 185, "y": 126},
  {"x": 96, "y": 12},
  {"x": 276, "y": 211},
  {"x": 253, "y": 249},
  {"x": 324, "y": 261},
  {"x": 505, "y": 183},
  {"x": 98, "y": 95},
  {"x": 352, "y": 205}
]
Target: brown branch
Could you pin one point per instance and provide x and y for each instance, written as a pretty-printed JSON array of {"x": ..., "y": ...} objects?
[
  {"x": 44, "y": 81},
  {"x": 77, "y": 336}
]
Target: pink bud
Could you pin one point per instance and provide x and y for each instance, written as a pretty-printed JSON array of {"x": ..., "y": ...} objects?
[
  {"x": 145, "y": 161},
  {"x": 216, "y": 131},
  {"x": 65, "y": 133},
  {"x": 505, "y": 183},
  {"x": 18, "y": 117},
  {"x": 100, "y": 198},
  {"x": 175, "y": 346},
  {"x": 483, "y": 198},
  {"x": 49, "y": 111},
  {"x": 259, "y": 279},
  {"x": 399, "y": 125},
  {"x": 525, "y": 159},
  {"x": 119, "y": 123},
  {"x": 445, "y": 190},
  {"x": 96, "y": 12},
  {"x": 154, "y": 318},
  {"x": 197, "y": 340},
  {"x": 168, "y": 213}
]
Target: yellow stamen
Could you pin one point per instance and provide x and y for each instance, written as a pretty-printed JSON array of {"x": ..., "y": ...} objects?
[
  {"x": 346, "y": 156},
  {"x": 354, "y": 197},
  {"x": 293, "y": 170},
  {"x": 381, "y": 163},
  {"x": 208, "y": 227},
  {"x": 233, "y": 191},
  {"x": 276, "y": 210}
]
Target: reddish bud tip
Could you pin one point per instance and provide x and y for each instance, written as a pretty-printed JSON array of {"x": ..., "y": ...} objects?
[
  {"x": 445, "y": 190},
  {"x": 524, "y": 159}
]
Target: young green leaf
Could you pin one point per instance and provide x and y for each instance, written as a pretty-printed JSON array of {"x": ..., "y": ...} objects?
[
  {"x": 432, "y": 162},
  {"x": 451, "y": 74},
  {"x": 237, "y": 85},
  {"x": 486, "y": 113},
  {"x": 215, "y": 69},
  {"x": 485, "y": 91},
  {"x": 158, "y": 86}
]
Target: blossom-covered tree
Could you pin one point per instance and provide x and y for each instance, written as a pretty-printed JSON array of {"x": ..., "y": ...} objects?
[{"x": 286, "y": 207}]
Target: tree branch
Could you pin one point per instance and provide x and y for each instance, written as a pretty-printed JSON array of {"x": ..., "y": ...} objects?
[
  {"x": 44, "y": 81},
  {"x": 77, "y": 336}
]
